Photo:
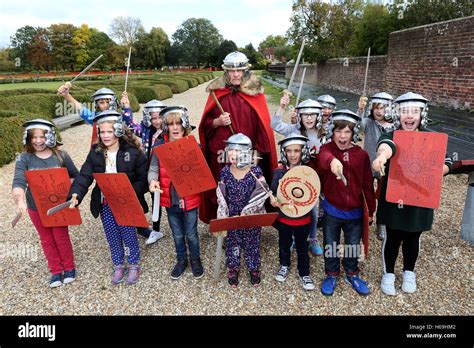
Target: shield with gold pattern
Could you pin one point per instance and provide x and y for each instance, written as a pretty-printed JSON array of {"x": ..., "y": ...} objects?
[{"x": 298, "y": 191}]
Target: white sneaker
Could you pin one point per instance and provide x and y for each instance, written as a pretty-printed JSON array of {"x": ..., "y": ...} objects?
[
  {"x": 308, "y": 283},
  {"x": 282, "y": 274},
  {"x": 154, "y": 236},
  {"x": 409, "y": 282},
  {"x": 388, "y": 284},
  {"x": 381, "y": 232}
]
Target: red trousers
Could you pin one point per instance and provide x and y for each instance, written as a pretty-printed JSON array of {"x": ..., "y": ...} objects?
[{"x": 56, "y": 245}]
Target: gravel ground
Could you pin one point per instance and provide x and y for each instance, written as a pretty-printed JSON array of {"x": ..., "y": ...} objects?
[{"x": 444, "y": 268}]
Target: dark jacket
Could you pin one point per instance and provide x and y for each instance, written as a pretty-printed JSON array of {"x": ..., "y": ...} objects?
[{"x": 130, "y": 161}]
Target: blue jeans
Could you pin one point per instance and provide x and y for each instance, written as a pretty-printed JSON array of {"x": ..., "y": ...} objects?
[
  {"x": 184, "y": 227},
  {"x": 332, "y": 236}
]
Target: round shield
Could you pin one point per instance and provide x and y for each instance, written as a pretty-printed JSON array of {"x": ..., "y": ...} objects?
[{"x": 298, "y": 191}]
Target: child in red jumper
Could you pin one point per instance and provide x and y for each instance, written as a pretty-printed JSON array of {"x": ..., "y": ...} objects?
[{"x": 346, "y": 177}]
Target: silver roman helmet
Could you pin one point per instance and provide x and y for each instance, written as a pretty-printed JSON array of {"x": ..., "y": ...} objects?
[
  {"x": 105, "y": 93},
  {"x": 384, "y": 99},
  {"x": 236, "y": 61},
  {"x": 344, "y": 115},
  {"x": 111, "y": 115},
  {"x": 39, "y": 123},
  {"x": 152, "y": 106},
  {"x": 411, "y": 99},
  {"x": 327, "y": 101},
  {"x": 183, "y": 114},
  {"x": 243, "y": 144},
  {"x": 292, "y": 139},
  {"x": 309, "y": 106}
]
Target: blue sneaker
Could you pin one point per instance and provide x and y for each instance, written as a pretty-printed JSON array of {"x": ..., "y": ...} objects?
[
  {"x": 69, "y": 276},
  {"x": 328, "y": 285},
  {"x": 358, "y": 285},
  {"x": 315, "y": 248},
  {"x": 56, "y": 280}
]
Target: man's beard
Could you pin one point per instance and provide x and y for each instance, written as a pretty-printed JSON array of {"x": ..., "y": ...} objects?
[{"x": 235, "y": 88}]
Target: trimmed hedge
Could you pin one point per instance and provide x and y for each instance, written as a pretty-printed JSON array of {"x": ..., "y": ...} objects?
[
  {"x": 11, "y": 136},
  {"x": 10, "y": 92},
  {"x": 49, "y": 105},
  {"x": 176, "y": 85},
  {"x": 54, "y": 79},
  {"x": 90, "y": 88},
  {"x": 192, "y": 81},
  {"x": 145, "y": 93},
  {"x": 46, "y": 105}
]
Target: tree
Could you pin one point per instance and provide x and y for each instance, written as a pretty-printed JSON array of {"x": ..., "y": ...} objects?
[
  {"x": 420, "y": 12},
  {"x": 6, "y": 64},
  {"x": 373, "y": 31},
  {"x": 174, "y": 55},
  {"x": 255, "y": 58},
  {"x": 126, "y": 30},
  {"x": 20, "y": 42},
  {"x": 63, "y": 48},
  {"x": 99, "y": 43},
  {"x": 81, "y": 36},
  {"x": 39, "y": 51},
  {"x": 327, "y": 27},
  {"x": 272, "y": 42},
  {"x": 151, "y": 49},
  {"x": 282, "y": 53},
  {"x": 226, "y": 47},
  {"x": 117, "y": 55},
  {"x": 198, "y": 39}
]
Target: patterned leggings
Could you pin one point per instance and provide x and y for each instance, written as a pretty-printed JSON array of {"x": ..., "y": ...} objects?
[
  {"x": 117, "y": 236},
  {"x": 247, "y": 239}
]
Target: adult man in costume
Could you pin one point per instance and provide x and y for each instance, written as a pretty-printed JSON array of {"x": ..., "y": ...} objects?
[{"x": 240, "y": 95}]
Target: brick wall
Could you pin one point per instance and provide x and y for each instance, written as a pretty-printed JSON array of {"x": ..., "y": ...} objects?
[{"x": 434, "y": 60}]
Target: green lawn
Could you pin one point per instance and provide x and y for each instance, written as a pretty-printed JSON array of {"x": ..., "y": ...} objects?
[
  {"x": 53, "y": 86},
  {"x": 275, "y": 93}
]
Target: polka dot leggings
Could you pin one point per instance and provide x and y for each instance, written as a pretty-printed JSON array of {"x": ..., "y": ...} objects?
[{"x": 117, "y": 236}]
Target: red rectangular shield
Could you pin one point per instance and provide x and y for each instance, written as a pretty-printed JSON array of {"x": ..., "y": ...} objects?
[
  {"x": 244, "y": 221},
  {"x": 186, "y": 166},
  {"x": 416, "y": 170},
  {"x": 122, "y": 199},
  {"x": 49, "y": 188}
]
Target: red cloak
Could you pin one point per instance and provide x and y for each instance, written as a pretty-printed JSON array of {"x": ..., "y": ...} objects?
[{"x": 242, "y": 108}]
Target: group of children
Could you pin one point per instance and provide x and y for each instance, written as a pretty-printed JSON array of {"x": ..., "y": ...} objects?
[{"x": 319, "y": 136}]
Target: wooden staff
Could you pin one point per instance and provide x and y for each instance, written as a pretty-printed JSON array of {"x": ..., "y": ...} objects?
[
  {"x": 366, "y": 73},
  {"x": 221, "y": 109},
  {"x": 301, "y": 87},
  {"x": 287, "y": 90}
]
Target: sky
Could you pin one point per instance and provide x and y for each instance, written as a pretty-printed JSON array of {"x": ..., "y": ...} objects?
[{"x": 242, "y": 21}]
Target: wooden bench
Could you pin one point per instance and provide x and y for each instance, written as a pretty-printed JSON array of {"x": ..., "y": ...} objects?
[{"x": 67, "y": 121}]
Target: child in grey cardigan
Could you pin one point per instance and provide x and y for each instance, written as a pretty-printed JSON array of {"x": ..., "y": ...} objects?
[{"x": 374, "y": 123}]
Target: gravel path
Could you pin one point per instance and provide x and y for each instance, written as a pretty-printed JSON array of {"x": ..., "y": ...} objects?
[{"x": 444, "y": 268}]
